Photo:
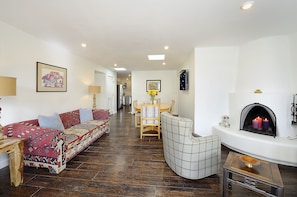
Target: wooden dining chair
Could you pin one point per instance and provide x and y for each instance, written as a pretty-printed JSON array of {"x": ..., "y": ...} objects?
[
  {"x": 136, "y": 115},
  {"x": 150, "y": 120},
  {"x": 171, "y": 109}
]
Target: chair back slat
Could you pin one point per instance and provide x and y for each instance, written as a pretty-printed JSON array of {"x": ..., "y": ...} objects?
[
  {"x": 171, "y": 109},
  {"x": 150, "y": 120}
]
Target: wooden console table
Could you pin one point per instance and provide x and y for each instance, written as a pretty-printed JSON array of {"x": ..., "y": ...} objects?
[
  {"x": 14, "y": 147},
  {"x": 263, "y": 178}
]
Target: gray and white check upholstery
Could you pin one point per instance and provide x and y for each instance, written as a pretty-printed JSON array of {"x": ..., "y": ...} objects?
[{"x": 189, "y": 156}]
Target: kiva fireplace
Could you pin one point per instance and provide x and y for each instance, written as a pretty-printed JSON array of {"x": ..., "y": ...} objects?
[
  {"x": 258, "y": 118},
  {"x": 243, "y": 136}
]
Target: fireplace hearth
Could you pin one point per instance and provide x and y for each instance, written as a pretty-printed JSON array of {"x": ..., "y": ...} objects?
[{"x": 258, "y": 118}]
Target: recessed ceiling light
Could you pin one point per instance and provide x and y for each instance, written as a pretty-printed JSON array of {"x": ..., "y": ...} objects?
[
  {"x": 84, "y": 45},
  {"x": 164, "y": 63},
  {"x": 115, "y": 65},
  {"x": 156, "y": 57},
  {"x": 166, "y": 47},
  {"x": 247, "y": 5},
  {"x": 120, "y": 69}
]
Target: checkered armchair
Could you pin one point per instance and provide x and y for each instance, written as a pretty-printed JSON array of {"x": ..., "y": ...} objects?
[{"x": 189, "y": 156}]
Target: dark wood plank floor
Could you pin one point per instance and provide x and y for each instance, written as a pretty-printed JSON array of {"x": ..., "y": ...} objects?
[{"x": 120, "y": 164}]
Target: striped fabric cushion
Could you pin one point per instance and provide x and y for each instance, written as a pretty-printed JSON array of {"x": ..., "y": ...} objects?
[{"x": 150, "y": 112}]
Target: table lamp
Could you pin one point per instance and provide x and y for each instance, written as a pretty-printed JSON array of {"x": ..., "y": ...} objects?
[
  {"x": 7, "y": 88},
  {"x": 94, "y": 90}
]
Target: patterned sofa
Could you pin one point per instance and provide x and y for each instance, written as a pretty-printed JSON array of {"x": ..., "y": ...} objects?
[
  {"x": 52, "y": 148},
  {"x": 189, "y": 156}
]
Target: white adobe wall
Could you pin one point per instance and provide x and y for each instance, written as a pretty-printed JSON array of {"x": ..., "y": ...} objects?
[
  {"x": 267, "y": 64},
  {"x": 215, "y": 77},
  {"x": 169, "y": 86},
  {"x": 19, "y": 53}
]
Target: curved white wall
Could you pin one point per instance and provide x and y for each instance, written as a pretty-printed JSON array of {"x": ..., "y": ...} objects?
[
  {"x": 265, "y": 64},
  {"x": 215, "y": 76},
  {"x": 268, "y": 64},
  {"x": 293, "y": 46}
]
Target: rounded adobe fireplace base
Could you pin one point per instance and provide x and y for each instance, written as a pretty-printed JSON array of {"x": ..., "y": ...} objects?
[{"x": 278, "y": 150}]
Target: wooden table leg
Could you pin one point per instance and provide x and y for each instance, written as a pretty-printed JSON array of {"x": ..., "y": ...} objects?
[
  {"x": 16, "y": 164},
  {"x": 225, "y": 182}
]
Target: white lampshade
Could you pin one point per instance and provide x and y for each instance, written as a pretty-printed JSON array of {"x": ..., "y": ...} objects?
[{"x": 7, "y": 86}]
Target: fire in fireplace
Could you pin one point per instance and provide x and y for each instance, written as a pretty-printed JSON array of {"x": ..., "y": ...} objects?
[{"x": 258, "y": 118}]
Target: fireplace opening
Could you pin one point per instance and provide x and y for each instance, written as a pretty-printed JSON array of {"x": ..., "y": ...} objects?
[{"x": 258, "y": 118}]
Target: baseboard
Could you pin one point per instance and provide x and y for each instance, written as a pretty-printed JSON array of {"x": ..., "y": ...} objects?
[{"x": 3, "y": 160}]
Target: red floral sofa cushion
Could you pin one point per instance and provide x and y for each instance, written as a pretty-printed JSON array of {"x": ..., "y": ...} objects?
[{"x": 70, "y": 119}]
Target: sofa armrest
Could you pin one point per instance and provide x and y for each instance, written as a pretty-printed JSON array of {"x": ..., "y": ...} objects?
[
  {"x": 36, "y": 136},
  {"x": 100, "y": 114}
]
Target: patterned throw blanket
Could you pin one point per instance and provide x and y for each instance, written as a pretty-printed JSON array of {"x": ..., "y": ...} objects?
[{"x": 38, "y": 136}]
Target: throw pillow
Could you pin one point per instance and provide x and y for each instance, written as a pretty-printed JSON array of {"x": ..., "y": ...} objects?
[
  {"x": 53, "y": 122},
  {"x": 85, "y": 114}
]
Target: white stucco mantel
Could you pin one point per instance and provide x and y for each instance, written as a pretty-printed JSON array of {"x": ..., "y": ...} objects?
[{"x": 277, "y": 150}]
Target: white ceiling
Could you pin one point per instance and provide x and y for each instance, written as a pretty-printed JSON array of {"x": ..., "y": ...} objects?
[{"x": 126, "y": 31}]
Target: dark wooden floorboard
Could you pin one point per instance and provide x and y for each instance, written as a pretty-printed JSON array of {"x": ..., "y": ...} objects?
[{"x": 120, "y": 164}]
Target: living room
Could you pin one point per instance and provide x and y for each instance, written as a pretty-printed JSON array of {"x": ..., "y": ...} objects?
[{"x": 217, "y": 74}]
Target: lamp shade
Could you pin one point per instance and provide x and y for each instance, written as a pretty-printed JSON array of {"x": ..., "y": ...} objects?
[
  {"x": 94, "y": 89},
  {"x": 7, "y": 86}
]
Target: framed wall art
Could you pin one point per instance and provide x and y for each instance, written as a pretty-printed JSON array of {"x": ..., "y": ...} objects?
[
  {"x": 50, "y": 78},
  {"x": 153, "y": 85}
]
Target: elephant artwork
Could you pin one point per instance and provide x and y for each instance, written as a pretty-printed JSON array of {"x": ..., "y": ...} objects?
[{"x": 52, "y": 79}]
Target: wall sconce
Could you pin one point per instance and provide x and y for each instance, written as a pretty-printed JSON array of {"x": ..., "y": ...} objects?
[
  {"x": 94, "y": 90},
  {"x": 7, "y": 88}
]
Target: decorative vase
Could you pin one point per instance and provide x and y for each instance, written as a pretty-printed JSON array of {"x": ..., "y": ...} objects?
[{"x": 152, "y": 98}]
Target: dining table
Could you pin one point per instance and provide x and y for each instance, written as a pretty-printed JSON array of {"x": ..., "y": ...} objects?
[{"x": 163, "y": 107}]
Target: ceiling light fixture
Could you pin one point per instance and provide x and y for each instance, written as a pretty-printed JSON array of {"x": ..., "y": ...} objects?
[
  {"x": 115, "y": 65},
  {"x": 166, "y": 47},
  {"x": 156, "y": 57},
  {"x": 84, "y": 45},
  {"x": 164, "y": 63},
  {"x": 247, "y": 5},
  {"x": 120, "y": 69}
]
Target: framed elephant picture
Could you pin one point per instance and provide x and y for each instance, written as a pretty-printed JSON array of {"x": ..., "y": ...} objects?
[{"x": 50, "y": 78}]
